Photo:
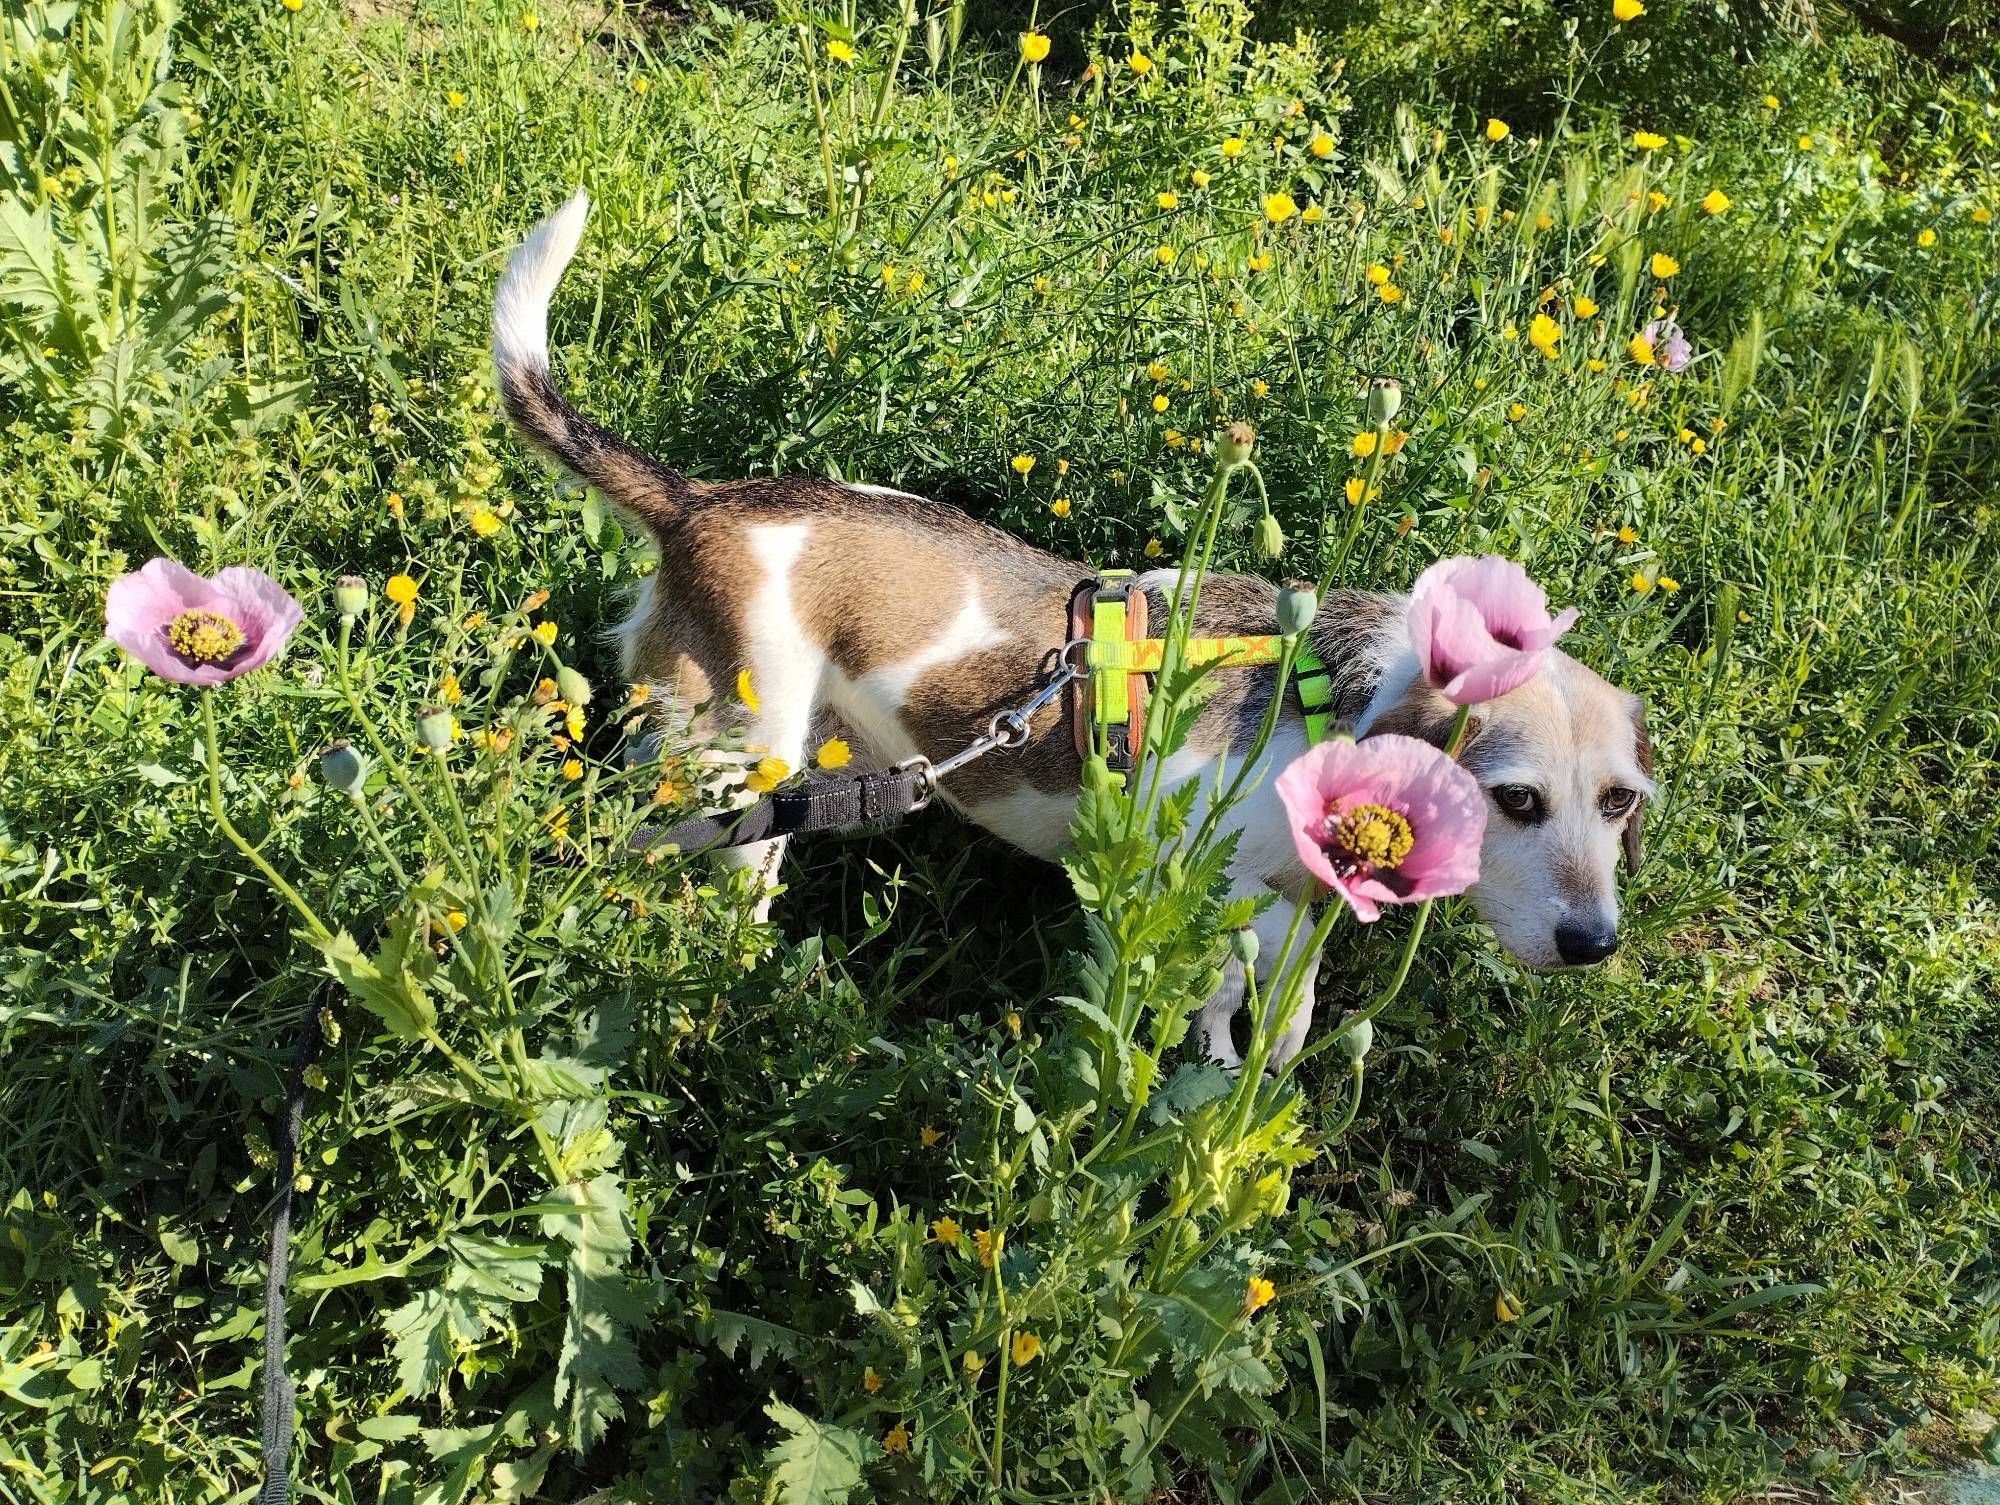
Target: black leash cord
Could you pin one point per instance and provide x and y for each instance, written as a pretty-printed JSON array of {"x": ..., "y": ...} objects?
[{"x": 280, "y": 1399}]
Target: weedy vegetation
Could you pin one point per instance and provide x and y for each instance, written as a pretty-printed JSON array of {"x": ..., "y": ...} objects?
[{"x": 918, "y": 1191}]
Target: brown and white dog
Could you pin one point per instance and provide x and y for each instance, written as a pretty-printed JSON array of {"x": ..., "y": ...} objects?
[{"x": 909, "y": 624}]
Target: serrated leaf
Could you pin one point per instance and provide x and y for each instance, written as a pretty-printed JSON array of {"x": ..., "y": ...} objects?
[
  {"x": 730, "y": 1331},
  {"x": 814, "y": 1463},
  {"x": 386, "y": 988},
  {"x": 1236, "y": 1368},
  {"x": 422, "y": 1330},
  {"x": 598, "y": 1356}
]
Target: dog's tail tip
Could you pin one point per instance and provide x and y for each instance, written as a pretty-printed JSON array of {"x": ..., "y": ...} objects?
[{"x": 521, "y": 304}]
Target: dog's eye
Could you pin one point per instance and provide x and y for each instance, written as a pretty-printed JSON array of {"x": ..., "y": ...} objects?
[
  {"x": 1617, "y": 802},
  {"x": 1518, "y": 802}
]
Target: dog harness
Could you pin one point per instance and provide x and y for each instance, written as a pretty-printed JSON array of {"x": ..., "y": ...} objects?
[{"x": 1108, "y": 704}]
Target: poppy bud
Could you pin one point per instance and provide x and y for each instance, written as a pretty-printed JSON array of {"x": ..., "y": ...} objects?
[
  {"x": 1237, "y": 440},
  {"x": 350, "y": 595},
  {"x": 572, "y": 686},
  {"x": 1296, "y": 609},
  {"x": 1270, "y": 537},
  {"x": 1356, "y": 1041},
  {"x": 1243, "y": 946},
  {"x": 1382, "y": 401},
  {"x": 344, "y": 768},
  {"x": 434, "y": 728}
]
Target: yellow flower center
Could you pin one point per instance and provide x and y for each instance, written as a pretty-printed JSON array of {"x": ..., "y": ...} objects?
[
  {"x": 204, "y": 637},
  {"x": 1367, "y": 838}
]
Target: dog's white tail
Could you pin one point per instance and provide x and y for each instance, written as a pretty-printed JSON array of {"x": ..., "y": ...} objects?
[
  {"x": 521, "y": 305},
  {"x": 521, "y": 360}
]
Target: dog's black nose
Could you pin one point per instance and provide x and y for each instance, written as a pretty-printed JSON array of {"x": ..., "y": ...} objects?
[{"x": 1581, "y": 944}]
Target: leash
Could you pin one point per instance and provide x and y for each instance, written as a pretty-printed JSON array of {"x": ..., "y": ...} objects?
[
  {"x": 279, "y": 1406},
  {"x": 859, "y": 800}
]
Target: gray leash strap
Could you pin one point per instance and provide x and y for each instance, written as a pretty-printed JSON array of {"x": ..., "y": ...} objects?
[{"x": 280, "y": 1398}]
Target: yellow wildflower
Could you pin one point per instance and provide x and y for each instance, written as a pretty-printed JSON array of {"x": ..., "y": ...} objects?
[
  {"x": 987, "y": 1243},
  {"x": 1668, "y": 584},
  {"x": 1656, "y": 201},
  {"x": 767, "y": 775},
  {"x": 1544, "y": 222},
  {"x": 1258, "y": 1294},
  {"x": 1312, "y": 214},
  {"x": 1498, "y": 130},
  {"x": 1022, "y": 464},
  {"x": 929, "y": 1136},
  {"x": 870, "y": 1380},
  {"x": 1321, "y": 145},
  {"x": 454, "y": 920},
  {"x": 572, "y": 769},
  {"x": 1164, "y": 255},
  {"x": 1139, "y": 63},
  {"x": 747, "y": 692},
  {"x": 1359, "y": 491},
  {"x": 1378, "y": 274},
  {"x": 1159, "y": 402},
  {"x": 971, "y": 1363},
  {"x": 1506, "y": 1307},
  {"x": 1586, "y": 308},
  {"x": 1648, "y": 141},
  {"x": 545, "y": 634},
  {"x": 1626, "y": 10},
  {"x": 1642, "y": 583},
  {"x": 1806, "y": 142},
  {"x": 453, "y": 99},
  {"x": 839, "y": 51},
  {"x": 1060, "y": 506},
  {"x": 1543, "y": 333},
  {"x": 1662, "y": 265},
  {"x": 1199, "y": 178},
  {"x": 1258, "y": 263},
  {"x": 1154, "y": 548},
  {"x": 1715, "y": 201},
  {"x": 1034, "y": 46},
  {"x": 573, "y": 722},
  {"x": 1927, "y": 237},
  {"x": 1232, "y": 146},
  {"x": 833, "y": 753},
  {"x": 1362, "y": 445},
  {"x": 1389, "y": 293},
  {"x": 1259, "y": 387},
  {"x": 531, "y": 22},
  {"x": 1516, "y": 412},
  {"x": 1168, "y": 199},
  {"x": 898, "y": 1440},
  {"x": 1596, "y": 364},
  {"x": 1628, "y": 535},
  {"x": 1024, "y": 1347},
  {"x": 1770, "y": 101},
  {"x": 484, "y": 523},
  {"x": 946, "y": 1231},
  {"x": 401, "y": 589},
  {"x": 1279, "y": 207}
]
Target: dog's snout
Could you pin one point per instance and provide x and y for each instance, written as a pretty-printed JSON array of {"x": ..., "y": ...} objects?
[{"x": 1582, "y": 943}]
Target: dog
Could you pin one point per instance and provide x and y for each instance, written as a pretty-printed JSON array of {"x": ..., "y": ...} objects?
[{"x": 912, "y": 624}]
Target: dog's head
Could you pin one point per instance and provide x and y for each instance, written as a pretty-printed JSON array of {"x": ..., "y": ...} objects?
[{"x": 1567, "y": 770}]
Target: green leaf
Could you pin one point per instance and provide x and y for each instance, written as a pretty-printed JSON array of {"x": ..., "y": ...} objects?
[
  {"x": 730, "y": 1331},
  {"x": 598, "y": 1356},
  {"x": 383, "y": 985},
  {"x": 813, "y": 1463},
  {"x": 423, "y": 1329},
  {"x": 1236, "y": 1368}
]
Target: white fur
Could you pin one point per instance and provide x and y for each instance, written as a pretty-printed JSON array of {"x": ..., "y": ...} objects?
[{"x": 521, "y": 304}]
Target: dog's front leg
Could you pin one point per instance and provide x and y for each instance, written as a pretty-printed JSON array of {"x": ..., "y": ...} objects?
[{"x": 1271, "y": 928}]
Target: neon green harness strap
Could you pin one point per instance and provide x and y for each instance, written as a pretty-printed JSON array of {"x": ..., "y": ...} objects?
[{"x": 1112, "y": 660}]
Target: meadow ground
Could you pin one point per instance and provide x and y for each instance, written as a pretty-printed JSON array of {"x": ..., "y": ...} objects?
[{"x": 916, "y": 1195}]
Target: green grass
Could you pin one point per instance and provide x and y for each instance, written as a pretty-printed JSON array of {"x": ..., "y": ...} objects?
[{"x": 1739, "y": 1183}]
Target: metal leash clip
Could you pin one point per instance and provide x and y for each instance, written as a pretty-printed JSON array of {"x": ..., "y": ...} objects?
[{"x": 1004, "y": 729}]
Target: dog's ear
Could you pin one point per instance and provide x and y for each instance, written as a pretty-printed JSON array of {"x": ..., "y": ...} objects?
[{"x": 1642, "y": 749}]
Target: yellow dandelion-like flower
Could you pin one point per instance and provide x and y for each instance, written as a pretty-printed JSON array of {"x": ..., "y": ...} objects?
[
  {"x": 747, "y": 692},
  {"x": 1770, "y": 101},
  {"x": 972, "y": 1364},
  {"x": 1260, "y": 388},
  {"x": 946, "y": 1231},
  {"x": 1389, "y": 293},
  {"x": 1648, "y": 141},
  {"x": 1154, "y": 548},
  {"x": 1378, "y": 274},
  {"x": 1139, "y": 63},
  {"x": 292, "y": 5},
  {"x": 1359, "y": 491},
  {"x": 1640, "y": 349},
  {"x": 1715, "y": 201},
  {"x": 1543, "y": 334},
  {"x": 1363, "y": 444},
  {"x": 1312, "y": 214},
  {"x": 1034, "y": 46},
  {"x": 1279, "y": 207},
  {"x": 1642, "y": 583},
  {"x": 531, "y": 22},
  {"x": 1628, "y": 535},
  {"x": 1259, "y": 263},
  {"x": 1258, "y": 1294},
  {"x": 1060, "y": 506},
  {"x": 1232, "y": 146},
  {"x": 929, "y": 1137},
  {"x": 1160, "y": 403},
  {"x": 870, "y": 1380},
  {"x": 572, "y": 769},
  {"x": 1168, "y": 199},
  {"x": 1806, "y": 141},
  {"x": 1667, "y": 583},
  {"x": 833, "y": 753},
  {"x": 1981, "y": 215},
  {"x": 1585, "y": 308},
  {"x": 401, "y": 589},
  {"x": 1164, "y": 255},
  {"x": 767, "y": 775},
  {"x": 1662, "y": 265},
  {"x": 545, "y": 634},
  {"x": 453, "y": 98},
  {"x": 454, "y": 920},
  {"x": 1498, "y": 130},
  {"x": 898, "y": 1439},
  {"x": 1199, "y": 178},
  {"x": 1927, "y": 237},
  {"x": 1024, "y": 1347},
  {"x": 1516, "y": 412},
  {"x": 987, "y": 1244},
  {"x": 1506, "y": 1307},
  {"x": 1626, "y": 10},
  {"x": 1394, "y": 440},
  {"x": 1321, "y": 145},
  {"x": 573, "y": 722},
  {"x": 483, "y": 522},
  {"x": 1022, "y": 464},
  {"x": 638, "y": 86},
  {"x": 1656, "y": 201},
  {"x": 1596, "y": 364},
  {"x": 839, "y": 51}
]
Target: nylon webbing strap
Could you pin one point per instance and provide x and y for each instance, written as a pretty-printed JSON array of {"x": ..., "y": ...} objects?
[
  {"x": 1147, "y": 655},
  {"x": 821, "y": 805},
  {"x": 280, "y": 1399},
  {"x": 1314, "y": 686}
]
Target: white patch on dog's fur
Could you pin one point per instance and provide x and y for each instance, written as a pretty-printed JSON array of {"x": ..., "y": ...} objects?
[
  {"x": 870, "y": 490},
  {"x": 1032, "y": 819},
  {"x": 626, "y": 633},
  {"x": 873, "y": 704}
]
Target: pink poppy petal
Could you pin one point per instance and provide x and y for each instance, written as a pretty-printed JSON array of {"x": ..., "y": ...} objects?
[{"x": 265, "y": 611}]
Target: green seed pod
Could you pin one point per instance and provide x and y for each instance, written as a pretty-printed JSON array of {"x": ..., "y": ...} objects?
[
  {"x": 1270, "y": 537},
  {"x": 1357, "y": 1040},
  {"x": 344, "y": 768},
  {"x": 1235, "y": 444},
  {"x": 1297, "y": 607},
  {"x": 350, "y": 595},
  {"x": 572, "y": 686},
  {"x": 1243, "y": 946},
  {"x": 434, "y": 728},
  {"x": 1382, "y": 401}
]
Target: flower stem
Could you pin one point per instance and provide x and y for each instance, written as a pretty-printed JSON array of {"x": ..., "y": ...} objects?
[{"x": 236, "y": 837}]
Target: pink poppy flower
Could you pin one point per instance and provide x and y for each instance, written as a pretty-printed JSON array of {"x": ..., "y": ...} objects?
[
  {"x": 1389, "y": 820},
  {"x": 1480, "y": 627},
  {"x": 1671, "y": 350},
  {"x": 197, "y": 631}
]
